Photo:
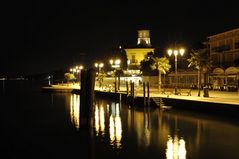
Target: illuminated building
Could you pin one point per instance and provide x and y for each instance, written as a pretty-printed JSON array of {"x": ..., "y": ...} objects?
[
  {"x": 224, "y": 53},
  {"x": 224, "y": 48},
  {"x": 136, "y": 54}
]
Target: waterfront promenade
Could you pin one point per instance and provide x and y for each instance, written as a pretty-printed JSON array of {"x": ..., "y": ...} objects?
[
  {"x": 214, "y": 96},
  {"x": 222, "y": 97}
]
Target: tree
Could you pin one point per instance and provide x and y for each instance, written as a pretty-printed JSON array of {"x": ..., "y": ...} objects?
[
  {"x": 201, "y": 61},
  {"x": 146, "y": 65},
  {"x": 152, "y": 63},
  {"x": 162, "y": 65},
  {"x": 101, "y": 79},
  {"x": 69, "y": 76},
  {"x": 120, "y": 53}
]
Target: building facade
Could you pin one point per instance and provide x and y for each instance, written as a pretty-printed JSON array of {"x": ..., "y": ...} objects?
[
  {"x": 224, "y": 53},
  {"x": 224, "y": 48},
  {"x": 137, "y": 53}
]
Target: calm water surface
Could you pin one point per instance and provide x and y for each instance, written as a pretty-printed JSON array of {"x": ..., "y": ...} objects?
[{"x": 46, "y": 125}]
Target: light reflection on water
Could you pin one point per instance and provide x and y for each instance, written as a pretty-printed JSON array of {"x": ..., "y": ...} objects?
[
  {"x": 115, "y": 126},
  {"x": 109, "y": 113},
  {"x": 113, "y": 120},
  {"x": 75, "y": 110},
  {"x": 44, "y": 123},
  {"x": 99, "y": 121},
  {"x": 169, "y": 133},
  {"x": 112, "y": 115},
  {"x": 176, "y": 148}
]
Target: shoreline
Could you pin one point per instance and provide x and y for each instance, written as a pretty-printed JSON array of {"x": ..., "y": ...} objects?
[{"x": 212, "y": 105}]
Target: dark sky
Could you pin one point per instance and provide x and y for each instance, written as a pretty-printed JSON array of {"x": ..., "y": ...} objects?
[{"x": 45, "y": 36}]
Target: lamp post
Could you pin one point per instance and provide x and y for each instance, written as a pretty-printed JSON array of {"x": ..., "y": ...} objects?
[
  {"x": 99, "y": 66},
  {"x": 116, "y": 65},
  {"x": 77, "y": 70},
  {"x": 175, "y": 53}
]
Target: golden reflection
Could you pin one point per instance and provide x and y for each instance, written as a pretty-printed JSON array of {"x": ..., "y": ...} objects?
[
  {"x": 176, "y": 148},
  {"x": 97, "y": 126},
  {"x": 115, "y": 126},
  {"x": 109, "y": 112},
  {"x": 118, "y": 131},
  {"x": 75, "y": 110},
  {"x": 141, "y": 123},
  {"x": 147, "y": 130},
  {"x": 99, "y": 119},
  {"x": 112, "y": 130},
  {"x": 102, "y": 120}
]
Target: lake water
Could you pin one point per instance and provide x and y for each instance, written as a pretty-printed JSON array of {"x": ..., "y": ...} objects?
[{"x": 46, "y": 125}]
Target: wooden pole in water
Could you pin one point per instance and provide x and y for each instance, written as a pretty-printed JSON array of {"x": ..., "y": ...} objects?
[
  {"x": 86, "y": 96},
  {"x": 133, "y": 93},
  {"x": 144, "y": 93},
  {"x": 127, "y": 88},
  {"x": 119, "y": 82},
  {"x": 115, "y": 85},
  {"x": 91, "y": 87},
  {"x": 131, "y": 97},
  {"x": 83, "y": 92},
  {"x": 131, "y": 89},
  {"x": 148, "y": 101}
]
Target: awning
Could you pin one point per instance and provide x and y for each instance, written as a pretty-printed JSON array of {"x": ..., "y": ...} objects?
[
  {"x": 218, "y": 71},
  {"x": 232, "y": 70}
]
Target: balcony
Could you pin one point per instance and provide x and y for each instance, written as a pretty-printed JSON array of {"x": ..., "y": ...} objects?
[{"x": 221, "y": 48}]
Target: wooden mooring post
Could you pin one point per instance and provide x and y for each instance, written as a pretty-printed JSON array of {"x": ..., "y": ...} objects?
[
  {"x": 133, "y": 89},
  {"x": 127, "y": 88},
  {"x": 86, "y": 96},
  {"x": 148, "y": 94},
  {"x": 144, "y": 93},
  {"x": 131, "y": 97},
  {"x": 115, "y": 84}
]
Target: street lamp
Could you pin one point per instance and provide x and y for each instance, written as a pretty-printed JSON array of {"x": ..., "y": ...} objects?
[
  {"x": 81, "y": 67},
  {"x": 77, "y": 70},
  {"x": 175, "y": 52},
  {"x": 116, "y": 65},
  {"x": 99, "y": 66}
]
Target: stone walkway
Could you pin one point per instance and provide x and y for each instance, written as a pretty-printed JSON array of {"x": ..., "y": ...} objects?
[{"x": 214, "y": 96}]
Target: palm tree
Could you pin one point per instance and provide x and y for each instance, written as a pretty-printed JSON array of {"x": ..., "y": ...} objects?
[
  {"x": 201, "y": 61},
  {"x": 151, "y": 65},
  {"x": 162, "y": 65},
  {"x": 146, "y": 65}
]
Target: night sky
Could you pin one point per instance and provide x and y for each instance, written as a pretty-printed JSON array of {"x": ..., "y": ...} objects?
[{"x": 45, "y": 36}]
